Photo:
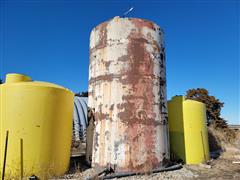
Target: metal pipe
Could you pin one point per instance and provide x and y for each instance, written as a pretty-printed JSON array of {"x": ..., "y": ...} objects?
[{"x": 5, "y": 155}]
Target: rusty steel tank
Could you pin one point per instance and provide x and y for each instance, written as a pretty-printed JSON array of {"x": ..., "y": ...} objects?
[{"x": 127, "y": 90}]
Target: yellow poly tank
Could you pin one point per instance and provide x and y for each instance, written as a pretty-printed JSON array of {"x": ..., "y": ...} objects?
[
  {"x": 188, "y": 131},
  {"x": 40, "y": 114}
]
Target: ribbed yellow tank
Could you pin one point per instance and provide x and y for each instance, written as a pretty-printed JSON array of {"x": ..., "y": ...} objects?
[
  {"x": 188, "y": 131},
  {"x": 40, "y": 114}
]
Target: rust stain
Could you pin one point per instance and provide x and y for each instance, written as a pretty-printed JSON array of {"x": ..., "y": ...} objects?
[
  {"x": 141, "y": 66},
  {"x": 100, "y": 115},
  {"x": 107, "y": 77},
  {"x": 102, "y": 141},
  {"x": 112, "y": 106},
  {"x": 107, "y": 64},
  {"x": 140, "y": 23},
  {"x": 96, "y": 136},
  {"x": 102, "y": 35}
]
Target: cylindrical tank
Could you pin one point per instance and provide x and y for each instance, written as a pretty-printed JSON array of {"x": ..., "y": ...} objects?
[
  {"x": 127, "y": 90},
  {"x": 188, "y": 130},
  {"x": 39, "y": 114}
]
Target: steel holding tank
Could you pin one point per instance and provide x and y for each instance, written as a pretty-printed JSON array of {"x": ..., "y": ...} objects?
[
  {"x": 38, "y": 118},
  {"x": 127, "y": 90}
]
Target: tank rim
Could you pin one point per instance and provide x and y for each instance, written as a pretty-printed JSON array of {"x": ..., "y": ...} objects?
[
  {"x": 40, "y": 84},
  {"x": 130, "y": 18}
]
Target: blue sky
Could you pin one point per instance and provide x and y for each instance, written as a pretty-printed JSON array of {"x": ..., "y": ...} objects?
[{"x": 49, "y": 41}]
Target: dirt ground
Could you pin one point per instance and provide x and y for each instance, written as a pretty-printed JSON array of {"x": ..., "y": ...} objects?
[{"x": 226, "y": 164}]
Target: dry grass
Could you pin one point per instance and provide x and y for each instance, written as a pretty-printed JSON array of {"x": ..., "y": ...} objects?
[{"x": 220, "y": 138}]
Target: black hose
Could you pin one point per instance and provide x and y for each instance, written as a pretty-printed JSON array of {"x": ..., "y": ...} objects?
[
  {"x": 126, "y": 174},
  {"x": 118, "y": 175},
  {"x": 105, "y": 170},
  {"x": 171, "y": 168}
]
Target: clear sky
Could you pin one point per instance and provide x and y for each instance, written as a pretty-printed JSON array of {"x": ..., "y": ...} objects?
[{"x": 49, "y": 41}]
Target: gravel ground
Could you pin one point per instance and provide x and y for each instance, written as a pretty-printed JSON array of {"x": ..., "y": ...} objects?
[
  {"x": 217, "y": 169},
  {"x": 221, "y": 168},
  {"x": 183, "y": 173}
]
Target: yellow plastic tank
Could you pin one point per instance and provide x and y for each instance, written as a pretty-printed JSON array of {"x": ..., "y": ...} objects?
[
  {"x": 188, "y": 131},
  {"x": 38, "y": 118}
]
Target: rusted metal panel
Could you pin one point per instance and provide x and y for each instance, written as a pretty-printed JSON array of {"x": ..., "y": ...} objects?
[
  {"x": 127, "y": 90},
  {"x": 90, "y": 130}
]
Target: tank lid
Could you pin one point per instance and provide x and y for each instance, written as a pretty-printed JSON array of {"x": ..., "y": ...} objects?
[
  {"x": 177, "y": 98},
  {"x": 183, "y": 99},
  {"x": 14, "y": 78},
  {"x": 25, "y": 80}
]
